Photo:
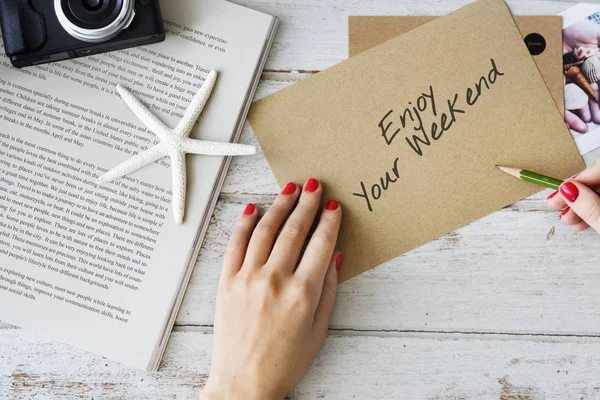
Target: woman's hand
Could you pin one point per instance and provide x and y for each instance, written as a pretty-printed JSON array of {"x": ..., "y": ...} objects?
[
  {"x": 578, "y": 120},
  {"x": 273, "y": 305},
  {"x": 580, "y": 203}
]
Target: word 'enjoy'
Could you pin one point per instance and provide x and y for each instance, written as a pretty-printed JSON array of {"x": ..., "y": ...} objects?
[{"x": 391, "y": 128}]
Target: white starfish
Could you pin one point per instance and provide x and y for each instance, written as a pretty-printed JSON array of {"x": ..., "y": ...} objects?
[{"x": 174, "y": 143}]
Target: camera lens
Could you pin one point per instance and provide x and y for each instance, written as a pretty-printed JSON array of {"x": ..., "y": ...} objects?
[
  {"x": 92, "y": 14},
  {"x": 94, "y": 20},
  {"x": 92, "y": 5}
]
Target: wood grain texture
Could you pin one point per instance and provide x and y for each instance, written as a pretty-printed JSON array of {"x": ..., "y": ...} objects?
[
  {"x": 347, "y": 367},
  {"x": 516, "y": 272}
]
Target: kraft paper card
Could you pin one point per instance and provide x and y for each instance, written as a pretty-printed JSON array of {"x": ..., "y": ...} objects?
[
  {"x": 542, "y": 34},
  {"x": 406, "y": 135}
]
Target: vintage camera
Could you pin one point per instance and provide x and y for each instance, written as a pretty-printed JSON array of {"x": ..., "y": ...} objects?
[{"x": 42, "y": 31}]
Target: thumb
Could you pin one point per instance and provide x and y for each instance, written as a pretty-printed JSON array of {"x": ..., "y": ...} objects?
[
  {"x": 590, "y": 176},
  {"x": 328, "y": 294},
  {"x": 583, "y": 201}
]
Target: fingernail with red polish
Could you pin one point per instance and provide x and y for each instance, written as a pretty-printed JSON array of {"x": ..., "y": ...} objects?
[
  {"x": 249, "y": 209},
  {"x": 332, "y": 205},
  {"x": 564, "y": 212},
  {"x": 311, "y": 185},
  {"x": 289, "y": 188},
  {"x": 569, "y": 191},
  {"x": 552, "y": 195},
  {"x": 338, "y": 261}
]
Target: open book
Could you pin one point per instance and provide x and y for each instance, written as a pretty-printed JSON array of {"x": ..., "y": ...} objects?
[{"x": 105, "y": 267}]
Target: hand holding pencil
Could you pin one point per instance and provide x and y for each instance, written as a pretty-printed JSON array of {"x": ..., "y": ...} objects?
[
  {"x": 580, "y": 202},
  {"x": 578, "y": 197}
]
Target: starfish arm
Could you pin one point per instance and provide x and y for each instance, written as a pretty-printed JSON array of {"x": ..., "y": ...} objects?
[
  {"x": 193, "y": 146},
  {"x": 134, "y": 163},
  {"x": 197, "y": 105},
  {"x": 179, "y": 173},
  {"x": 150, "y": 120}
]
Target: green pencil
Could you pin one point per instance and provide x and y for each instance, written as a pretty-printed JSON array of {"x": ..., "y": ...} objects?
[{"x": 532, "y": 177}]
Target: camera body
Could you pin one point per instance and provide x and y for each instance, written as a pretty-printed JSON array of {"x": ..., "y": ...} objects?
[{"x": 41, "y": 31}]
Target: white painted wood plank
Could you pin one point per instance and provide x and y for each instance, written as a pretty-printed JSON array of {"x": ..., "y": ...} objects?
[
  {"x": 313, "y": 33},
  {"x": 437, "y": 367}
]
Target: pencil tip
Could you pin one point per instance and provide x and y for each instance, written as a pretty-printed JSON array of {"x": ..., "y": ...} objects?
[
  {"x": 496, "y": 166},
  {"x": 512, "y": 171}
]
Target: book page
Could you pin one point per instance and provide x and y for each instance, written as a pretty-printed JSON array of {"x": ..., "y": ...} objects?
[{"x": 99, "y": 266}]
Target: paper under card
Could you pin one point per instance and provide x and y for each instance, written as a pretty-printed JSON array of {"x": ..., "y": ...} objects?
[{"x": 542, "y": 33}]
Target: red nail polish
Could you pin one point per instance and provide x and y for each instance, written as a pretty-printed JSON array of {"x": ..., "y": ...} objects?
[
  {"x": 552, "y": 195},
  {"x": 575, "y": 177},
  {"x": 564, "y": 212},
  {"x": 289, "y": 188},
  {"x": 332, "y": 205},
  {"x": 249, "y": 209},
  {"x": 338, "y": 261},
  {"x": 569, "y": 191},
  {"x": 311, "y": 185}
]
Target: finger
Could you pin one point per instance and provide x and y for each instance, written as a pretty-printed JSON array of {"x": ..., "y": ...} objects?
[
  {"x": 266, "y": 231},
  {"x": 556, "y": 202},
  {"x": 595, "y": 111},
  {"x": 293, "y": 234},
  {"x": 590, "y": 176},
  {"x": 583, "y": 201},
  {"x": 575, "y": 123},
  {"x": 594, "y": 106},
  {"x": 584, "y": 113},
  {"x": 317, "y": 256},
  {"x": 580, "y": 227},
  {"x": 328, "y": 294},
  {"x": 238, "y": 243},
  {"x": 568, "y": 217}
]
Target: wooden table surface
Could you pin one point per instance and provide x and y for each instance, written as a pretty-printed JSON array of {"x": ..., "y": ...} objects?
[{"x": 505, "y": 308}]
